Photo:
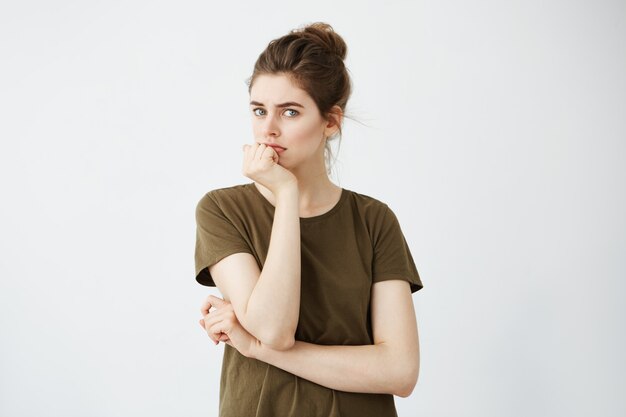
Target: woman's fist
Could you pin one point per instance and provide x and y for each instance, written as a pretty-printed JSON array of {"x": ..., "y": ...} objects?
[
  {"x": 260, "y": 163},
  {"x": 222, "y": 324}
]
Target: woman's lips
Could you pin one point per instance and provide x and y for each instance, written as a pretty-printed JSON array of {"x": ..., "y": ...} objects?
[{"x": 277, "y": 148}]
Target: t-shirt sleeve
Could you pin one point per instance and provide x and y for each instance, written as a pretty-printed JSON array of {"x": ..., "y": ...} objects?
[
  {"x": 216, "y": 238},
  {"x": 392, "y": 256}
]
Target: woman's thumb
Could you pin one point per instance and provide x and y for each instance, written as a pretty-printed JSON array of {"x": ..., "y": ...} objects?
[{"x": 217, "y": 302}]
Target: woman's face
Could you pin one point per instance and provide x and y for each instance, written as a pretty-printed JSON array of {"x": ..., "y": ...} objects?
[{"x": 286, "y": 115}]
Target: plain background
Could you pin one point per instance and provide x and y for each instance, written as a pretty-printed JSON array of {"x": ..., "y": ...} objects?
[{"x": 495, "y": 131}]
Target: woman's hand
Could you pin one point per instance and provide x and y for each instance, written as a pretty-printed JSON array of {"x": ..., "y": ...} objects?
[
  {"x": 260, "y": 163},
  {"x": 222, "y": 324}
]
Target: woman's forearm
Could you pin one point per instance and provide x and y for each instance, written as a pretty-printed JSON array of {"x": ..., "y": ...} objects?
[
  {"x": 274, "y": 304},
  {"x": 364, "y": 368}
]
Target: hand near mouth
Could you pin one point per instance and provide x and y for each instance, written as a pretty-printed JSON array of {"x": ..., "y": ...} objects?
[
  {"x": 273, "y": 145},
  {"x": 261, "y": 164}
]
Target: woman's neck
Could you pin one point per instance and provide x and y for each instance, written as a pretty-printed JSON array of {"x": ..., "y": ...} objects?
[{"x": 314, "y": 194}]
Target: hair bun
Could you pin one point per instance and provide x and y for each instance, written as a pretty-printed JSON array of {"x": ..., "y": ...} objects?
[{"x": 324, "y": 35}]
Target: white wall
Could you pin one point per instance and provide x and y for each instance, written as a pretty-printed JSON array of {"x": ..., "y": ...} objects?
[{"x": 495, "y": 130}]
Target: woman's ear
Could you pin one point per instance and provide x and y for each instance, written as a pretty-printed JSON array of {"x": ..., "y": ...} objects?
[{"x": 335, "y": 117}]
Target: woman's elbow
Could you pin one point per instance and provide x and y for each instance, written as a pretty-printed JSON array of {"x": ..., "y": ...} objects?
[
  {"x": 280, "y": 342},
  {"x": 276, "y": 339},
  {"x": 408, "y": 380},
  {"x": 406, "y": 389}
]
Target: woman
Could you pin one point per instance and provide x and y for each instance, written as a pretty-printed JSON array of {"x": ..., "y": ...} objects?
[{"x": 317, "y": 316}]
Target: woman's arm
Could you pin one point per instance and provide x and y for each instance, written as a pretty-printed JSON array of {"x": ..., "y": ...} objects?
[
  {"x": 390, "y": 365},
  {"x": 275, "y": 300},
  {"x": 267, "y": 302}
]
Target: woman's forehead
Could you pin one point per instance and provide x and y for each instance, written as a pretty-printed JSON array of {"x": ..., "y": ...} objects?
[{"x": 274, "y": 89}]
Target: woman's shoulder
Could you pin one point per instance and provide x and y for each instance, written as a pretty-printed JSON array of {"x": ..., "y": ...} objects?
[
  {"x": 229, "y": 191},
  {"x": 367, "y": 201},
  {"x": 226, "y": 196},
  {"x": 372, "y": 209}
]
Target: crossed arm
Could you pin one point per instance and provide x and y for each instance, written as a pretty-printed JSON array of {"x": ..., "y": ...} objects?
[{"x": 390, "y": 365}]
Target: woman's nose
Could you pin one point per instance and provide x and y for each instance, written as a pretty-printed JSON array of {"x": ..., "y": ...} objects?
[{"x": 270, "y": 126}]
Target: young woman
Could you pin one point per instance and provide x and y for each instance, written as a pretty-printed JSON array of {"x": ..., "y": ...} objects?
[{"x": 317, "y": 316}]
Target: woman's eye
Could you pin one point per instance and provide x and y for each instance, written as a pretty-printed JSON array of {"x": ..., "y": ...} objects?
[{"x": 295, "y": 112}]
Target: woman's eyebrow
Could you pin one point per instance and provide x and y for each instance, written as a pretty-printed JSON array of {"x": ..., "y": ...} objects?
[{"x": 286, "y": 104}]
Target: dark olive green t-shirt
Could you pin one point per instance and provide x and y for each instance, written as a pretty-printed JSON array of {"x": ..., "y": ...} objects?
[{"x": 343, "y": 252}]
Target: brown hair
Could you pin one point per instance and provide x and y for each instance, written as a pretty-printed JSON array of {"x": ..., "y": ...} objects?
[{"x": 312, "y": 57}]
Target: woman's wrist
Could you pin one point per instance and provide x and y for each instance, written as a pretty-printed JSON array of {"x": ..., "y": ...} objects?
[
  {"x": 289, "y": 189},
  {"x": 256, "y": 349}
]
